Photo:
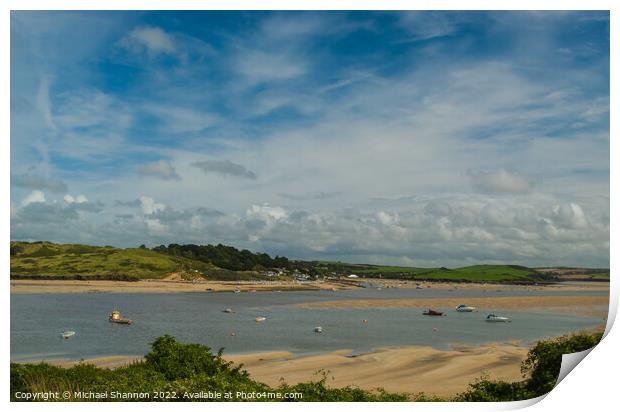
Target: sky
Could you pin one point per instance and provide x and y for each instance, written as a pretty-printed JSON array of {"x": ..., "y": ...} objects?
[{"x": 403, "y": 138}]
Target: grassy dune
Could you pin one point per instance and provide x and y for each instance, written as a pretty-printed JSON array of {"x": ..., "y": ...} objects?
[
  {"x": 49, "y": 259},
  {"x": 46, "y": 260}
]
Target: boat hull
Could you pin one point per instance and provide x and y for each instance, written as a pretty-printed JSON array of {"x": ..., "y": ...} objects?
[
  {"x": 121, "y": 321},
  {"x": 498, "y": 320}
]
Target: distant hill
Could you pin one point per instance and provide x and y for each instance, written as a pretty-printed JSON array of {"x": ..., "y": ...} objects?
[
  {"x": 73, "y": 261},
  {"x": 476, "y": 273},
  {"x": 47, "y": 260}
]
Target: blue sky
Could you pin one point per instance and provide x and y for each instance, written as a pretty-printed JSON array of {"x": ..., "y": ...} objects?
[{"x": 421, "y": 138}]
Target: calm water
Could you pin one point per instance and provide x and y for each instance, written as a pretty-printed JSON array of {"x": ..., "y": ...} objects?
[{"x": 38, "y": 320}]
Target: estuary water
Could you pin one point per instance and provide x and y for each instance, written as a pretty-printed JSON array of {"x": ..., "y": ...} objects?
[{"x": 38, "y": 319}]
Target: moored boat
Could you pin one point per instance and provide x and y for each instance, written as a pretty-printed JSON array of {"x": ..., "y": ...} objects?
[
  {"x": 494, "y": 318},
  {"x": 432, "y": 312},
  {"x": 67, "y": 334},
  {"x": 115, "y": 317},
  {"x": 465, "y": 308}
]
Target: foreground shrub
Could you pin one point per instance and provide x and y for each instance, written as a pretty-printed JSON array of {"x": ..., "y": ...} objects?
[
  {"x": 192, "y": 368},
  {"x": 540, "y": 370}
]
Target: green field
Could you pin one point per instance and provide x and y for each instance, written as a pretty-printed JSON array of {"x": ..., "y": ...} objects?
[{"x": 477, "y": 273}]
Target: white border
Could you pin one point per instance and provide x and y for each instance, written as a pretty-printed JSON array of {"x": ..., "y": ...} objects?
[{"x": 590, "y": 386}]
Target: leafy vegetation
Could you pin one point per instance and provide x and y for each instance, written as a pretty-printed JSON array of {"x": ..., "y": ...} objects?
[
  {"x": 173, "y": 367},
  {"x": 540, "y": 370},
  {"x": 226, "y": 257}
]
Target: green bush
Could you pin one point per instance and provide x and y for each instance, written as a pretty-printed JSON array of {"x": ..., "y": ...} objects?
[
  {"x": 540, "y": 370},
  {"x": 192, "y": 368}
]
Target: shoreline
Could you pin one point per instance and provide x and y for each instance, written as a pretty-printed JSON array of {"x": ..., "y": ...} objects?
[
  {"x": 403, "y": 369},
  {"x": 39, "y": 286}
]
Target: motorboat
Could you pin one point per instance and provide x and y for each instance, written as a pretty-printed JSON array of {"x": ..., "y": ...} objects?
[
  {"x": 228, "y": 310},
  {"x": 494, "y": 318},
  {"x": 236, "y": 291},
  {"x": 68, "y": 334},
  {"x": 431, "y": 312},
  {"x": 260, "y": 319},
  {"x": 318, "y": 329},
  {"x": 115, "y": 317},
  {"x": 465, "y": 308}
]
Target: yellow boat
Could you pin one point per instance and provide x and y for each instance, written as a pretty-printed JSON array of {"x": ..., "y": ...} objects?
[{"x": 115, "y": 317}]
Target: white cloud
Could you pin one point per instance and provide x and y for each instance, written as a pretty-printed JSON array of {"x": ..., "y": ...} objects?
[
  {"x": 44, "y": 104},
  {"x": 78, "y": 199},
  {"x": 499, "y": 181},
  {"x": 161, "y": 169},
  {"x": 266, "y": 212},
  {"x": 175, "y": 119},
  {"x": 262, "y": 66},
  {"x": 36, "y": 196},
  {"x": 149, "y": 206},
  {"x": 85, "y": 108},
  {"x": 152, "y": 39}
]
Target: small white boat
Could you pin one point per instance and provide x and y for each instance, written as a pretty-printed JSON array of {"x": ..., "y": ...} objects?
[
  {"x": 260, "y": 319},
  {"x": 494, "y": 318},
  {"x": 465, "y": 308},
  {"x": 228, "y": 310},
  {"x": 68, "y": 334},
  {"x": 318, "y": 329},
  {"x": 236, "y": 291}
]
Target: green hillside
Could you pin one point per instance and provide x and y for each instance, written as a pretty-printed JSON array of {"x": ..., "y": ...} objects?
[
  {"x": 477, "y": 273},
  {"x": 72, "y": 261}
]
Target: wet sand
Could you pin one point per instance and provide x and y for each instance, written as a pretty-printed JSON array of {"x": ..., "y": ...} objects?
[{"x": 574, "y": 305}]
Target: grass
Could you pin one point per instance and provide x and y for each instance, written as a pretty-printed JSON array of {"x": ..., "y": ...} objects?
[
  {"x": 477, "y": 273},
  {"x": 74, "y": 261},
  {"x": 43, "y": 260}
]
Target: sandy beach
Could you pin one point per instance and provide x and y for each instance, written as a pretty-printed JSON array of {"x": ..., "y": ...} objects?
[
  {"x": 162, "y": 286},
  {"x": 410, "y": 369},
  {"x": 574, "y": 305},
  {"x": 174, "y": 285}
]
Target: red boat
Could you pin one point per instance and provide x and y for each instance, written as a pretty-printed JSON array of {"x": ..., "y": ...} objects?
[{"x": 431, "y": 312}]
